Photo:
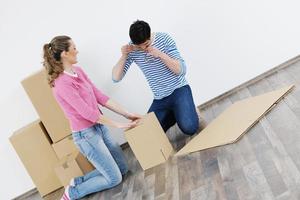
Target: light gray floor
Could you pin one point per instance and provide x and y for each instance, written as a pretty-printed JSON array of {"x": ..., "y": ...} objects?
[{"x": 264, "y": 164}]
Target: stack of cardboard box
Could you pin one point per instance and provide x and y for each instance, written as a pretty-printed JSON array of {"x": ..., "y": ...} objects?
[{"x": 46, "y": 146}]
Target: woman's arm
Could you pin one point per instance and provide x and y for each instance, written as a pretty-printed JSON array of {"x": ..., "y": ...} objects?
[
  {"x": 117, "y": 108},
  {"x": 83, "y": 109},
  {"x": 108, "y": 122}
]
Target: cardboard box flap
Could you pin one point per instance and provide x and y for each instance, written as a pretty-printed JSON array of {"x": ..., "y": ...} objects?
[
  {"x": 64, "y": 147},
  {"x": 71, "y": 166},
  {"x": 235, "y": 121}
]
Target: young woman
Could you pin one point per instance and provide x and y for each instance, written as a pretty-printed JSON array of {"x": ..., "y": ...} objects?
[{"x": 79, "y": 99}]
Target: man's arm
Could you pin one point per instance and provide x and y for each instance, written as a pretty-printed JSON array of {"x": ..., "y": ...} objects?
[
  {"x": 170, "y": 57},
  {"x": 173, "y": 64},
  {"x": 119, "y": 68}
]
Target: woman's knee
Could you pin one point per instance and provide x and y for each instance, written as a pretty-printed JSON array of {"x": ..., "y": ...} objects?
[
  {"x": 114, "y": 179},
  {"x": 109, "y": 169}
]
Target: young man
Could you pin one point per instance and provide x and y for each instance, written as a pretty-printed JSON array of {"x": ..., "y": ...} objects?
[{"x": 157, "y": 56}]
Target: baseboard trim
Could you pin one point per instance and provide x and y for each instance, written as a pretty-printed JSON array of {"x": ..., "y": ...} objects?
[{"x": 26, "y": 194}]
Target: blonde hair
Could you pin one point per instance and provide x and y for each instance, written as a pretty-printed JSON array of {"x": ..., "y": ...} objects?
[{"x": 52, "y": 57}]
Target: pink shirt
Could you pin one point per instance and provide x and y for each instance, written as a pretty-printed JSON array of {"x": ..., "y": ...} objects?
[{"x": 79, "y": 98}]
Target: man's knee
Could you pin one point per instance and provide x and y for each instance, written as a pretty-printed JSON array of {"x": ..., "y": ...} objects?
[{"x": 189, "y": 127}]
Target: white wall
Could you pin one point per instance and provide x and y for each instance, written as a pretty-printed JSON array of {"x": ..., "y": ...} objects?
[{"x": 224, "y": 43}]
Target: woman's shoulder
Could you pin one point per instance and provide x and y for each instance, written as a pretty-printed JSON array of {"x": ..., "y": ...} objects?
[
  {"x": 61, "y": 81},
  {"x": 78, "y": 69}
]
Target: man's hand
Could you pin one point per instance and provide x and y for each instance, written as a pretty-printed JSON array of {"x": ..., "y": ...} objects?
[
  {"x": 126, "y": 49},
  {"x": 153, "y": 51}
]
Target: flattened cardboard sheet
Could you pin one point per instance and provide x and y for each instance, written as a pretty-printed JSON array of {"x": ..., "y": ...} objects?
[{"x": 235, "y": 121}]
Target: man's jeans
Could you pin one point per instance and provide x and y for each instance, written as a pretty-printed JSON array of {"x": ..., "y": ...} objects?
[
  {"x": 178, "y": 107},
  {"x": 97, "y": 145}
]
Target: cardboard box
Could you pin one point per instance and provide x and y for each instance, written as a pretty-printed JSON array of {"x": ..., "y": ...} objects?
[
  {"x": 52, "y": 116},
  {"x": 33, "y": 147},
  {"x": 64, "y": 147},
  {"x": 71, "y": 166},
  {"x": 151, "y": 146},
  {"x": 149, "y": 142}
]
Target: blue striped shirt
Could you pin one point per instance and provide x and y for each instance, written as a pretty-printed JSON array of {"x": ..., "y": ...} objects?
[{"x": 161, "y": 79}]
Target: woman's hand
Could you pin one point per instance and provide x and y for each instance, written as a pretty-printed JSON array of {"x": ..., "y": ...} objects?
[
  {"x": 127, "y": 125},
  {"x": 133, "y": 116}
]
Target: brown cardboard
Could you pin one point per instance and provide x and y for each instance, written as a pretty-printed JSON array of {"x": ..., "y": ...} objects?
[
  {"x": 235, "y": 121},
  {"x": 64, "y": 147},
  {"x": 149, "y": 143},
  {"x": 50, "y": 113},
  {"x": 148, "y": 140},
  {"x": 33, "y": 147},
  {"x": 71, "y": 166}
]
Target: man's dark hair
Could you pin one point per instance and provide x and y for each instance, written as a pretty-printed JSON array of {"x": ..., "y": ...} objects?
[{"x": 139, "y": 32}]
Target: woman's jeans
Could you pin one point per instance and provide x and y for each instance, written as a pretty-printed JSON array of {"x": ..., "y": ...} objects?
[
  {"x": 97, "y": 145},
  {"x": 177, "y": 108}
]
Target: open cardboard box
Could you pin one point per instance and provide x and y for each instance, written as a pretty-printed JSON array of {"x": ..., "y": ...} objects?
[
  {"x": 72, "y": 165},
  {"x": 151, "y": 146},
  {"x": 64, "y": 147}
]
